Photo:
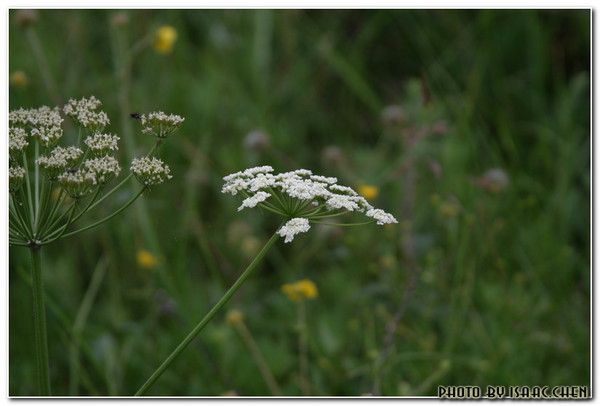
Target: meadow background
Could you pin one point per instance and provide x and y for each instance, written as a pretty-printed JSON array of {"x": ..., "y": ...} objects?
[{"x": 472, "y": 127}]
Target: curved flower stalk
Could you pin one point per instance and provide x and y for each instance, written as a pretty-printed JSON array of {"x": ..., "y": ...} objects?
[
  {"x": 300, "y": 198},
  {"x": 52, "y": 186}
]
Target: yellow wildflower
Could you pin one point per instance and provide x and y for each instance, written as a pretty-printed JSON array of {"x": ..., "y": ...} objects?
[
  {"x": 19, "y": 79},
  {"x": 369, "y": 192},
  {"x": 301, "y": 290},
  {"x": 164, "y": 39},
  {"x": 234, "y": 317},
  {"x": 145, "y": 259}
]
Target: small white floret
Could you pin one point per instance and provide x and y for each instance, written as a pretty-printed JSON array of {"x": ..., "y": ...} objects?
[{"x": 294, "y": 226}]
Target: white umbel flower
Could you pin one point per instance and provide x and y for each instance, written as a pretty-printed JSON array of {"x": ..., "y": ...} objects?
[
  {"x": 150, "y": 171},
  {"x": 78, "y": 183},
  {"x": 252, "y": 201},
  {"x": 300, "y": 195},
  {"x": 100, "y": 144},
  {"x": 17, "y": 139},
  {"x": 15, "y": 178},
  {"x": 43, "y": 123},
  {"x": 59, "y": 159},
  {"x": 160, "y": 124},
  {"x": 104, "y": 168},
  {"x": 84, "y": 112},
  {"x": 291, "y": 228},
  {"x": 381, "y": 217}
]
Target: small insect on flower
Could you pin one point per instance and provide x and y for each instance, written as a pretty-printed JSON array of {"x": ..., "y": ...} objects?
[
  {"x": 299, "y": 291},
  {"x": 164, "y": 39},
  {"x": 300, "y": 197},
  {"x": 59, "y": 159},
  {"x": 146, "y": 260}
]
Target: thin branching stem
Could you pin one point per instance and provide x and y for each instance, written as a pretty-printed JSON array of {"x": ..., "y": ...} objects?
[
  {"x": 105, "y": 219},
  {"x": 209, "y": 316}
]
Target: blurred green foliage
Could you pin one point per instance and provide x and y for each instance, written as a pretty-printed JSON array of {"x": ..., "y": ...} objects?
[{"x": 488, "y": 273}]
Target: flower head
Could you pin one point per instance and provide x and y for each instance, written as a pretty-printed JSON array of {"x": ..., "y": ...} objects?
[
  {"x": 15, "y": 178},
  {"x": 300, "y": 196},
  {"x": 301, "y": 290},
  {"x": 160, "y": 124},
  {"x": 146, "y": 259},
  {"x": 102, "y": 144},
  {"x": 234, "y": 317},
  {"x": 17, "y": 139},
  {"x": 85, "y": 113},
  {"x": 294, "y": 226},
  {"x": 164, "y": 39},
  {"x": 43, "y": 122},
  {"x": 104, "y": 168},
  {"x": 59, "y": 159},
  {"x": 150, "y": 171},
  {"x": 19, "y": 79},
  {"x": 77, "y": 183}
]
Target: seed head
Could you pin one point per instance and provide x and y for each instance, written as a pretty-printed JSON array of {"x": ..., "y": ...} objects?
[{"x": 150, "y": 171}]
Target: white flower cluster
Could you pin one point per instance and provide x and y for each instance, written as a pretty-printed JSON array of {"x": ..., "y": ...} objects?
[
  {"x": 103, "y": 168},
  {"x": 17, "y": 139},
  {"x": 15, "y": 177},
  {"x": 150, "y": 171},
  {"x": 299, "y": 194},
  {"x": 85, "y": 112},
  {"x": 59, "y": 159},
  {"x": 43, "y": 122},
  {"x": 160, "y": 124},
  {"x": 294, "y": 226},
  {"x": 78, "y": 182},
  {"x": 100, "y": 144},
  {"x": 252, "y": 201}
]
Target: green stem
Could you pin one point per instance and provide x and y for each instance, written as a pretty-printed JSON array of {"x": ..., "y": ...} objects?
[
  {"x": 110, "y": 216},
  {"x": 39, "y": 323},
  {"x": 60, "y": 230},
  {"x": 187, "y": 340},
  {"x": 110, "y": 192},
  {"x": 28, "y": 186},
  {"x": 36, "y": 172}
]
